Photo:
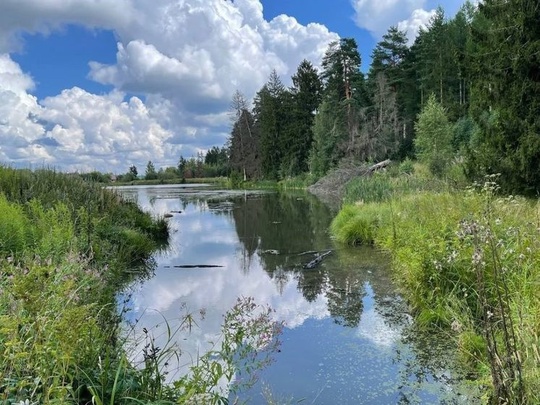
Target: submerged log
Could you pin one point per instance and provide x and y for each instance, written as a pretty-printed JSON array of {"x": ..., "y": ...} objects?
[{"x": 315, "y": 262}]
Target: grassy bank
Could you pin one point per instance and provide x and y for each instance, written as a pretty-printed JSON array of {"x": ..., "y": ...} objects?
[
  {"x": 66, "y": 248},
  {"x": 468, "y": 262}
]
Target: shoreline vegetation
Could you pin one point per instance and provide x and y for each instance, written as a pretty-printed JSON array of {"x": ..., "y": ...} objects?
[
  {"x": 467, "y": 260},
  {"x": 67, "y": 248}
]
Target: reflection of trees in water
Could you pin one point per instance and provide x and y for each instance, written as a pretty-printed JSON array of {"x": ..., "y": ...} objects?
[{"x": 279, "y": 228}]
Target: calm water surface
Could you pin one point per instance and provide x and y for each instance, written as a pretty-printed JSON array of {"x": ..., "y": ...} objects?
[{"x": 348, "y": 338}]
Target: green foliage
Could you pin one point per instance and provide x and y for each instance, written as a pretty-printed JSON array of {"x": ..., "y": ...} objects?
[
  {"x": 298, "y": 133},
  {"x": 249, "y": 338},
  {"x": 325, "y": 134},
  {"x": 433, "y": 137},
  {"x": 504, "y": 51},
  {"x": 382, "y": 187},
  {"x": 406, "y": 167},
  {"x": 354, "y": 226},
  {"x": 466, "y": 262},
  {"x": 464, "y": 129},
  {"x": 133, "y": 171},
  {"x": 336, "y": 125},
  {"x": 61, "y": 265},
  {"x": 300, "y": 182},
  {"x": 272, "y": 113},
  {"x": 97, "y": 177},
  {"x": 14, "y": 229},
  {"x": 150, "y": 173}
]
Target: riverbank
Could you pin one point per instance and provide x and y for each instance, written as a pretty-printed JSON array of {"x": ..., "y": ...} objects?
[
  {"x": 467, "y": 261},
  {"x": 67, "y": 248}
]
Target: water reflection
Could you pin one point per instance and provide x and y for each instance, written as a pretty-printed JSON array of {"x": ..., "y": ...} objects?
[{"x": 346, "y": 327}]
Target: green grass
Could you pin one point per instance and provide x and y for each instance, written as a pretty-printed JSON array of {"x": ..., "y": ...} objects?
[
  {"x": 300, "y": 182},
  {"x": 66, "y": 248},
  {"x": 468, "y": 262}
]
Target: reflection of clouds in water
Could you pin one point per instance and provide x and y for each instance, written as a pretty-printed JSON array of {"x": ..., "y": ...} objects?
[
  {"x": 373, "y": 325},
  {"x": 201, "y": 237}
]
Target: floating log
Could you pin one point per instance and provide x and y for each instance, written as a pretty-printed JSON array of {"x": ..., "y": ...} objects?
[
  {"x": 315, "y": 262},
  {"x": 309, "y": 252},
  {"x": 194, "y": 266},
  {"x": 270, "y": 252}
]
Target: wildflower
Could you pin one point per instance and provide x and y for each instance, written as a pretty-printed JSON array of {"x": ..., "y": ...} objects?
[
  {"x": 498, "y": 221},
  {"x": 477, "y": 257},
  {"x": 456, "y": 326}
]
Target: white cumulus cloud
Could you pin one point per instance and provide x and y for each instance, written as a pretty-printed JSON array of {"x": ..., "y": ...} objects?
[
  {"x": 419, "y": 19},
  {"x": 377, "y": 16},
  {"x": 182, "y": 59}
]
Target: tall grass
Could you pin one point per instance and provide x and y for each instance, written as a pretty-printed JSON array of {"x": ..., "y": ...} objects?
[
  {"x": 387, "y": 185},
  {"x": 468, "y": 262},
  {"x": 65, "y": 249},
  {"x": 300, "y": 182}
]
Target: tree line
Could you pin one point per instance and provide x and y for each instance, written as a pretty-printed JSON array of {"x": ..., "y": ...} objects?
[{"x": 467, "y": 90}]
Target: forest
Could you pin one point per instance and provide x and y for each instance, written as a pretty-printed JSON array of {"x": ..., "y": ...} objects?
[{"x": 466, "y": 91}]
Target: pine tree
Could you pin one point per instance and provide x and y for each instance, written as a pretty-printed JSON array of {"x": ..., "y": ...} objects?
[
  {"x": 343, "y": 92},
  {"x": 383, "y": 122},
  {"x": 151, "y": 173}
]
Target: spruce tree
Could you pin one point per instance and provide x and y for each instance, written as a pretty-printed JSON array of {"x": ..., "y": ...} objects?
[{"x": 505, "y": 100}]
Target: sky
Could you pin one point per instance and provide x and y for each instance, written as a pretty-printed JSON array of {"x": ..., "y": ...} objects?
[{"x": 105, "y": 84}]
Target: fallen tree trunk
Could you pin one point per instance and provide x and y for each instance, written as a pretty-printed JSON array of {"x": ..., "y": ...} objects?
[
  {"x": 378, "y": 166},
  {"x": 315, "y": 262}
]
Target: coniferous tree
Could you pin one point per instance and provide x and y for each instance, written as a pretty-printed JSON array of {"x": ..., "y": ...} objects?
[
  {"x": 383, "y": 120},
  {"x": 244, "y": 147},
  {"x": 505, "y": 101},
  {"x": 388, "y": 57},
  {"x": 151, "y": 173},
  {"x": 272, "y": 114},
  {"x": 298, "y": 134},
  {"x": 343, "y": 92},
  {"x": 133, "y": 171},
  {"x": 324, "y": 140}
]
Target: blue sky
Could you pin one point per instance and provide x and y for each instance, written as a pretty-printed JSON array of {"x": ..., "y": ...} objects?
[{"x": 104, "y": 84}]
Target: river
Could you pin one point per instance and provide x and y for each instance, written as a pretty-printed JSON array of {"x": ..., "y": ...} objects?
[{"x": 348, "y": 337}]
